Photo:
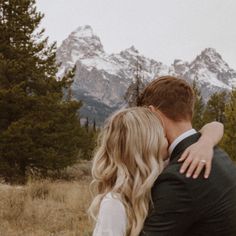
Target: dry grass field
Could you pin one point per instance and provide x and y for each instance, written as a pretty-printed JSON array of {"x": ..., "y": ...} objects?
[{"x": 46, "y": 208}]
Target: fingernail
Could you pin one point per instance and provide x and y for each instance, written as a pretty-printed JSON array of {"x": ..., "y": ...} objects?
[
  {"x": 195, "y": 176},
  {"x": 188, "y": 175},
  {"x": 206, "y": 176},
  {"x": 181, "y": 171}
]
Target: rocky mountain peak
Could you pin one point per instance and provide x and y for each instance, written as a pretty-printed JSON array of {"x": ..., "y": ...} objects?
[
  {"x": 84, "y": 32},
  {"x": 212, "y": 60},
  {"x": 81, "y": 43},
  {"x": 211, "y": 52},
  {"x": 132, "y": 50},
  {"x": 129, "y": 53},
  {"x": 180, "y": 66},
  {"x": 86, "y": 43}
]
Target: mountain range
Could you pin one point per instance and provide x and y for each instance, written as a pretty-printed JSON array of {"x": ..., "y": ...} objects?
[{"x": 101, "y": 79}]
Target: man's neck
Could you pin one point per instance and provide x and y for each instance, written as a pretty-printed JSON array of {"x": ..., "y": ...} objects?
[{"x": 174, "y": 130}]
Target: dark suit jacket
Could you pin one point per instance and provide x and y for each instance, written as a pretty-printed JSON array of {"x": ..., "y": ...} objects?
[{"x": 187, "y": 207}]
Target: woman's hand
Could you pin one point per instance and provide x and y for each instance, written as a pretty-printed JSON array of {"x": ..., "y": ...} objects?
[{"x": 197, "y": 157}]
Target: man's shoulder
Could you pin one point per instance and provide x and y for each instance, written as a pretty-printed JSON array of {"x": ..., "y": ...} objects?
[
  {"x": 170, "y": 179},
  {"x": 172, "y": 171},
  {"x": 222, "y": 164},
  {"x": 223, "y": 170},
  {"x": 220, "y": 151},
  {"x": 222, "y": 158}
]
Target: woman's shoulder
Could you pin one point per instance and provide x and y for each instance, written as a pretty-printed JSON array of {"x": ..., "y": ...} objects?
[
  {"x": 111, "y": 205},
  {"x": 113, "y": 200},
  {"x": 111, "y": 217},
  {"x": 112, "y": 195}
]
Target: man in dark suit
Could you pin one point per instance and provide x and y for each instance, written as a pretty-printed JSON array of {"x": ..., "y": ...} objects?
[{"x": 185, "y": 206}]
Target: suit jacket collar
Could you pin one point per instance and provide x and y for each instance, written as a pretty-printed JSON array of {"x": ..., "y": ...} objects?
[
  {"x": 185, "y": 143},
  {"x": 180, "y": 138}
]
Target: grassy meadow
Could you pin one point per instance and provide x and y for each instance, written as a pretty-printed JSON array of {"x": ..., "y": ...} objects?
[{"x": 47, "y": 208}]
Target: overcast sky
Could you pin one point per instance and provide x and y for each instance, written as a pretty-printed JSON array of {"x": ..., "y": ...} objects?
[{"x": 161, "y": 29}]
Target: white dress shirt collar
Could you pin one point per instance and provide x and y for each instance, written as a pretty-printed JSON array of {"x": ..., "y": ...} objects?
[{"x": 179, "y": 139}]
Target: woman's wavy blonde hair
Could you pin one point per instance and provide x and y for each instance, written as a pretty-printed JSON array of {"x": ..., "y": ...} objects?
[{"x": 127, "y": 162}]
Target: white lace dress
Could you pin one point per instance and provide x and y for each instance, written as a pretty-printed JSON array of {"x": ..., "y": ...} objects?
[{"x": 112, "y": 219}]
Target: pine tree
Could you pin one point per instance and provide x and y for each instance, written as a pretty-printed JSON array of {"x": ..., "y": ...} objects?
[
  {"x": 134, "y": 90},
  {"x": 39, "y": 130},
  {"x": 199, "y": 107},
  {"x": 87, "y": 124},
  {"x": 229, "y": 141},
  {"x": 215, "y": 108},
  {"x": 94, "y": 126}
]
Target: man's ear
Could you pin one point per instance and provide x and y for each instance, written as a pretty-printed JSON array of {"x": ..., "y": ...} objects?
[{"x": 152, "y": 108}]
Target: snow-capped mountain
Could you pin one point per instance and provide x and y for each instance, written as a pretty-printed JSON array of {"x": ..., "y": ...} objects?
[
  {"x": 211, "y": 72},
  {"x": 102, "y": 79}
]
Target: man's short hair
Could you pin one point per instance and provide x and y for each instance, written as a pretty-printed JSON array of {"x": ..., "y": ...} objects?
[{"x": 174, "y": 97}]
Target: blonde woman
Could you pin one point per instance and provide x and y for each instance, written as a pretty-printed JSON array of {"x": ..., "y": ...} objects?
[{"x": 130, "y": 156}]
